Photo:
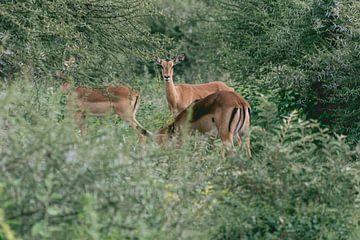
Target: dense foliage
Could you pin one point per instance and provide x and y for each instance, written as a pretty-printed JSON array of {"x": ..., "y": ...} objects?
[
  {"x": 300, "y": 182},
  {"x": 297, "y": 62},
  {"x": 88, "y": 40}
]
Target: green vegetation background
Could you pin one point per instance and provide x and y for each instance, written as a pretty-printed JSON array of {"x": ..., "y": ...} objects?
[{"x": 297, "y": 63}]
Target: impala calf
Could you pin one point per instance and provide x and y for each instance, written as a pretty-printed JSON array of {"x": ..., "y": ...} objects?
[
  {"x": 99, "y": 102},
  {"x": 224, "y": 111},
  {"x": 180, "y": 96}
]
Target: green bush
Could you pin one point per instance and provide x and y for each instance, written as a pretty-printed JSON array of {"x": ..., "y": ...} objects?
[
  {"x": 292, "y": 60},
  {"x": 89, "y": 41},
  {"x": 301, "y": 182}
]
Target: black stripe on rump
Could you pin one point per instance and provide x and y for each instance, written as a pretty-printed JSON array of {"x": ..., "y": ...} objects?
[
  {"x": 232, "y": 117},
  {"x": 237, "y": 124},
  {"x": 243, "y": 120}
]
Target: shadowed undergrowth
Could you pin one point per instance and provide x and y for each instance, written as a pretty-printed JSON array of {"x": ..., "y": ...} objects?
[{"x": 301, "y": 183}]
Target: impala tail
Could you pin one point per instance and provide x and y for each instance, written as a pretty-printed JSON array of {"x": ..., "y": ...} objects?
[{"x": 239, "y": 120}]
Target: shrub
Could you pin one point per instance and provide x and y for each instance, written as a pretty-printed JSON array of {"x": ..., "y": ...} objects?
[{"x": 300, "y": 183}]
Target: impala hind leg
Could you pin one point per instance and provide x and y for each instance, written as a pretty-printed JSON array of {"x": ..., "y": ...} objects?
[
  {"x": 227, "y": 130},
  {"x": 227, "y": 139},
  {"x": 141, "y": 131},
  {"x": 79, "y": 118},
  {"x": 238, "y": 139},
  {"x": 244, "y": 131},
  {"x": 247, "y": 143},
  {"x": 248, "y": 147},
  {"x": 228, "y": 145},
  {"x": 246, "y": 134}
]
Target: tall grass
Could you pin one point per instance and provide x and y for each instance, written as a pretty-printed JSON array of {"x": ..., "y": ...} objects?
[{"x": 302, "y": 183}]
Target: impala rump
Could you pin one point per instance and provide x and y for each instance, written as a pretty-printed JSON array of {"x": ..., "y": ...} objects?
[{"x": 225, "y": 111}]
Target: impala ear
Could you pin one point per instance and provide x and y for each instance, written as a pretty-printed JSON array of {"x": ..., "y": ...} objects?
[
  {"x": 158, "y": 61},
  {"x": 179, "y": 58}
]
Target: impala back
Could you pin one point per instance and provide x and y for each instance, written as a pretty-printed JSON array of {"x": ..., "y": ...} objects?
[{"x": 100, "y": 102}]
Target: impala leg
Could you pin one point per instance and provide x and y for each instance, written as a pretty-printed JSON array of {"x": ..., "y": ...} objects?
[
  {"x": 247, "y": 143},
  {"x": 244, "y": 132},
  {"x": 239, "y": 141},
  {"x": 228, "y": 142},
  {"x": 122, "y": 110},
  {"x": 238, "y": 138},
  {"x": 79, "y": 118},
  {"x": 137, "y": 126},
  {"x": 247, "y": 139},
  {"x": 248, "y": 148},
  {"x": 228, "y": 147},
  {"x": 141, "y": 131}
]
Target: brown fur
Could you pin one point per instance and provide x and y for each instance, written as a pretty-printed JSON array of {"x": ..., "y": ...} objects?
[
  {"x": 180, "y": 96},
  {"x": 225, "y": 111},
  {"x": 99, "y": 102}
]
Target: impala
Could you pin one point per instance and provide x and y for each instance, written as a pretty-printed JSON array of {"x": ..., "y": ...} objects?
[
  {"x": 225, "y": 111},
  {"x": 180, "y": 96},
  {"x": 99, "y": 102}
]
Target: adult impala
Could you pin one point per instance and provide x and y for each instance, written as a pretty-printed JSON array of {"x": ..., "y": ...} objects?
[
  {"x": 99, "y": 102},
  {"x": 224, "y": 111},
  {"x": 180, "y": 96}
]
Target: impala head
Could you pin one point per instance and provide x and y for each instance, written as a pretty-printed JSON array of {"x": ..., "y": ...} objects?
[
  {"x": 65, "y": 87},
  {"x": 165, "y": 133},
  {"x": 167, "y": 66}
]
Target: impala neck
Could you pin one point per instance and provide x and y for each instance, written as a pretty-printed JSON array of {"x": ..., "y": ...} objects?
[{"x": 171, "y": 93}]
